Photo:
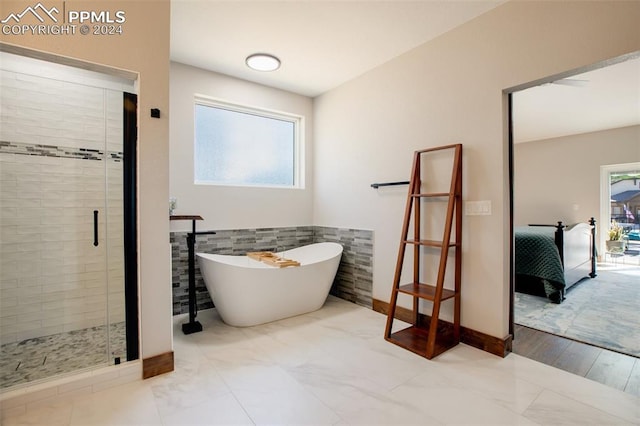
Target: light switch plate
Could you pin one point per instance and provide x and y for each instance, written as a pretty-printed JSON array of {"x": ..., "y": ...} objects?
[{"x": 477, "y": 208}]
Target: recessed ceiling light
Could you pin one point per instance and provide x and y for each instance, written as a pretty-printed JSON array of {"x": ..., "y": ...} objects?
[{"x": 262, "y": 62}]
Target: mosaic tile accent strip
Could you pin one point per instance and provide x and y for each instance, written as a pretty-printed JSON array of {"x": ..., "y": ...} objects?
[
  {"x": 44, "y": 357},
  {"x": 354, "y": 280},
  {"x": 57, "y": 151}
]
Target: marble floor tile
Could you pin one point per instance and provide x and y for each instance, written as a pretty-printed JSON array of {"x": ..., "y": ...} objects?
[
  {"x": 211, "y": 410},
  {"x": 131, "y": 404},
  {"x": 354, "y": 396},
  {"x": 455, "y": 405},
  {"x": 553, "y": 408},
  {"x": 633, "y": 385},
  {"x": 333, "y": 367},
  {"x": 50, "y": 414},
  {"x": 503, "y": 389},
  {"x": 188, "y": 388},
  {"x": 584, "y": 391},
  {"x": 285, "y": 407}
]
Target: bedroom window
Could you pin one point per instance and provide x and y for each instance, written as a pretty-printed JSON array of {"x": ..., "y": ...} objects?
[{"x": 242, "y": 146}]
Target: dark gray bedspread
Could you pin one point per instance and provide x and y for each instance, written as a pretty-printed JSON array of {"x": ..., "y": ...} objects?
[{"x": 537, "y": 257}]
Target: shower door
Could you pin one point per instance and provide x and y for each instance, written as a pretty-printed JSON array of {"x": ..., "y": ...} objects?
[{"x": 62, "y": 277}]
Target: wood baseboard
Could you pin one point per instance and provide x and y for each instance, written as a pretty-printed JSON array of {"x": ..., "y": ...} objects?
[
  {"x": 157, "y": 365},
  {"x": 493, "y": 345}
]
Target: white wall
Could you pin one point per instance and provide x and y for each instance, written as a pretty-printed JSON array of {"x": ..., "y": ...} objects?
[
  {"x": 445, "y": 91},
  {"x": 559, "y": 179},
  {"x": 229, "y": 207}
]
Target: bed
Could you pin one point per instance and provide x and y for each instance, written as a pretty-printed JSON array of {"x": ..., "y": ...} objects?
[{"x": 549, "y": 259}]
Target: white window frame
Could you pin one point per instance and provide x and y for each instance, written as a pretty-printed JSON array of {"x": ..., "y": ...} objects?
[{"x": 298, "y": 136}]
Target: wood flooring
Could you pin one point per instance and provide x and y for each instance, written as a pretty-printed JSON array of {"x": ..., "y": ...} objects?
[{"x": 610, "y": 368}]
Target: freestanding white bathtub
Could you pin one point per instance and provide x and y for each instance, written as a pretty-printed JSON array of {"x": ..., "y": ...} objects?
[{"x": 248, "y": 292}]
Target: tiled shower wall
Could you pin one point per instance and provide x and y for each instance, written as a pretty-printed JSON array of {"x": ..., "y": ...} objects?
[
  {"x": 53, "y": 160},
  {"x": 353, "y": 281}
]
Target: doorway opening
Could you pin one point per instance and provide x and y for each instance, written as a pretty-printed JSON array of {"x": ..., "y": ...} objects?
[{"x": 560, "y": 180}]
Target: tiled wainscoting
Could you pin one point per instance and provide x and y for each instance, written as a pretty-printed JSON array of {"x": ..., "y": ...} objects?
[{"x": 353, "y": 281}]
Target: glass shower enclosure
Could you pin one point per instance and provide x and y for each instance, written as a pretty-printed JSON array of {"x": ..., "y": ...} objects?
[{"x": 62, "y": 248}]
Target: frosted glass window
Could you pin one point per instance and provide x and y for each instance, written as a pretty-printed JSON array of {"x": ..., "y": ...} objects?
[{"x": 246, "y": 148}]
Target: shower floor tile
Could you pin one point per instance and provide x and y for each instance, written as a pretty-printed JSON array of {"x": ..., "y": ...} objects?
[{"x": 44, "y": 357}]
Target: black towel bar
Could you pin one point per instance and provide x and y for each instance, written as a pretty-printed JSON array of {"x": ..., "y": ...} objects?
[{"x": 378, "y": 185}]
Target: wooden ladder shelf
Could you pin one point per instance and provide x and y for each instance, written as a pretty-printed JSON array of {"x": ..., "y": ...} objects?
[{"x": 432, "y": 337}]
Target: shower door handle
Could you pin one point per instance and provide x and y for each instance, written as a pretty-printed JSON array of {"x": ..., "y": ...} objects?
[{"x": 95, "y": 228}]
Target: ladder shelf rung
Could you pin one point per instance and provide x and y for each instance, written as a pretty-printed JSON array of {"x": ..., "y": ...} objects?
[
  {"x": 439, "y": 148},
  {"x": 430, "y": 243},
  {"x": 432, "y": 194},
  {"x": 425, "y": 291}
]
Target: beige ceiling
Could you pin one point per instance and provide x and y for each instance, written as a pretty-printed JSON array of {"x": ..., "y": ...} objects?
[
  {"x": 321, "y": 43},
  {"x": 606, "y": 98}
]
